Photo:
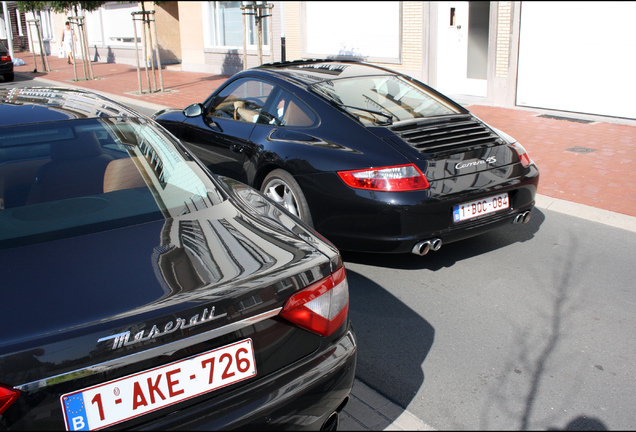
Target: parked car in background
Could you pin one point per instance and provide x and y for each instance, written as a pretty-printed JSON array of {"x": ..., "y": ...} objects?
[
  {"x": 6, "y": 64},
  {"x": 139, "y": 290},
  {"x": 373, "y": 159}
]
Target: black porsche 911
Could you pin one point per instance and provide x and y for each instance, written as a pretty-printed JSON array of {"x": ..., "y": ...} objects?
[
  {"x": 373, "y": 159},
  {"x": 140, "y": 291}
]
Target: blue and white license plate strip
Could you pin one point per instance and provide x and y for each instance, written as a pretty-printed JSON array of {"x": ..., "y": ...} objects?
[
  {"x": 125, "y": 398},
  {"x": 480, "y": 207}
]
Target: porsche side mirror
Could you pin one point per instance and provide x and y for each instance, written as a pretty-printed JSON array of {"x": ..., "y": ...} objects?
[{"x": 194, "y": 110}]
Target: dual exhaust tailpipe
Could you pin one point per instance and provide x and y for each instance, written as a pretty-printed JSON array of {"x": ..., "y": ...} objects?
[
  {"x": 424, "y": 247},
  {"x": 522, "y": 218}
]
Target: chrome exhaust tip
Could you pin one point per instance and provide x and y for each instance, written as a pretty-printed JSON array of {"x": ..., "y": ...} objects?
[
  {"x": 422, "y": 248},
  {"x": 331, "y": 424},
  {"x": 526, "y": 217},
  {"x": 522, "y": 218}
]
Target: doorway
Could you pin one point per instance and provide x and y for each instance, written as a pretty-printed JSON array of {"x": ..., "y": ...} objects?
[{"x": 462, "y": 54}]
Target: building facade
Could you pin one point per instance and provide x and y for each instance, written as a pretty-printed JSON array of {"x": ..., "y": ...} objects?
[
  {"x": 16, "y": 23},
  {"x": 566, "y": 56}
]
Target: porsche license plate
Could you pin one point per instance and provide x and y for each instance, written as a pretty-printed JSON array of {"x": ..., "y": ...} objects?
[
  {"x": 480, "y": 207},
  {"x": 125, "y": 398}
]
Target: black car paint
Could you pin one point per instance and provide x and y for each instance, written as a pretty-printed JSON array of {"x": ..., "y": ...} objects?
[
  {"x": 119, "y": 264},
  {"x": 66, "y": 297},
  {"x": 355, "y": 219}
]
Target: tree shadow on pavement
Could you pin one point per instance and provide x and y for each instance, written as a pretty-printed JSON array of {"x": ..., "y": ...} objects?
[{"x": 393, "y": 340}]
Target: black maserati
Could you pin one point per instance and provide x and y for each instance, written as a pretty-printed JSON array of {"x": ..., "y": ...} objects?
[
  {"x": 139, "y": 290},
  {"x": 373, "y": 159}
]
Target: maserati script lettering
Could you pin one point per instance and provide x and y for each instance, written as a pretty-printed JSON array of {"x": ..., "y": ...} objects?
[
  {"x": 461, "y": 165},
  {"x": 124, "y": 339}
]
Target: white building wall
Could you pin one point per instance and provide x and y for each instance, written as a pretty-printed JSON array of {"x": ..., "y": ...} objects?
[{"x": 578, "y": 57}]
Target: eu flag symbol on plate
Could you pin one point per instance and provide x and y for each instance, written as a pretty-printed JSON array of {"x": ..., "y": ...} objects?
[{"x": 75, "y": 412}]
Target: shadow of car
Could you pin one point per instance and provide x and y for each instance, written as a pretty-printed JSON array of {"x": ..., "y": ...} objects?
[
  {"x": 373, "y": 159},
  {"x": 393, "y": 341},
  {"x": 142, "y": 291}
]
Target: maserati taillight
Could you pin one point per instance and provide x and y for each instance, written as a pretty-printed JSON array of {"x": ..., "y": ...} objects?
[
  {"x": 8, "y": 395},
  {"x": 395, "y": 178},
  {"x": 322, "y": 307}
]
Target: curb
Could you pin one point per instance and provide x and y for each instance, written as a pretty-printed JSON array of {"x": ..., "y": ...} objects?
[
  {"x": 369, "y": 410},
  {"x": 593, "y": 214}
]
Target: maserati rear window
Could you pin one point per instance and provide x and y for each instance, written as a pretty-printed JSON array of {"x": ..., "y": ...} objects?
[{"x": 67, "y": 178}]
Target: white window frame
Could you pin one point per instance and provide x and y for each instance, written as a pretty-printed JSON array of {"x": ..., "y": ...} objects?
[
  {"x": 123, "y": 38},
  {"x": 210, "y": 25},
  {"x": 18, "y": 16},
  {"x": 46, "y": 24},
  {"x": 95, "y": 27}
]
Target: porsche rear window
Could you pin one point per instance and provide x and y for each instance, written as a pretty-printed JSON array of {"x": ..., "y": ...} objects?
[
  {"x": 62, "y": 179},
  {"x": 383, "y": 98}
]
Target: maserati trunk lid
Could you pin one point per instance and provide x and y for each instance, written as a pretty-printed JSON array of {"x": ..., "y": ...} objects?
[{"x": 86, "y": 309}]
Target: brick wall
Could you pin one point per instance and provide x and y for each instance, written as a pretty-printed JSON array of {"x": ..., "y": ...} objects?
[
  {"x": 20, "y": 43},
  {"x": 504, "y": 30},
  {"x": 292, "y": 30}
]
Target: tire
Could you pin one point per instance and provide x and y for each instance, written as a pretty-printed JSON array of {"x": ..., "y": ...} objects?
[
  {"x": 282, "y": 188},
  {"x": 8, "y": 77}
]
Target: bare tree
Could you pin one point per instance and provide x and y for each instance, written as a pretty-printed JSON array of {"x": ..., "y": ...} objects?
[
  {"x": 260, "y": 11},
  {"x": 66, "y": 7},
  {"x": 33, "y": 7},
  {"x": 150, "y": 42},
  {"x": 74, "y": 7}
]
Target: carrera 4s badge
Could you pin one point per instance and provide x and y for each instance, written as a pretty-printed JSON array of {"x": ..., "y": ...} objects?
[
  {"x": 124, "y": 339},
  {"x": 461, "y": 165}
]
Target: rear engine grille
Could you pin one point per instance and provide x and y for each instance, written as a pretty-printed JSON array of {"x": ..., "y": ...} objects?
[{"x": 446, "y": 133}]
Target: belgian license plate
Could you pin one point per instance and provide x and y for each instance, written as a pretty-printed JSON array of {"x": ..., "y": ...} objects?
[
  {"x": 129, "y": 397},
  {"x": 480, "y": 207}
]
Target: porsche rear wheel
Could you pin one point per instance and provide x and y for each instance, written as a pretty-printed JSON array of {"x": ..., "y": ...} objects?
[{"x": 281, "y": 188}]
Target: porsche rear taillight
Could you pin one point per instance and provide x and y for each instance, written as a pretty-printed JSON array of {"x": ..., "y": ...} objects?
[
  {"x": 394, "y": 178},
  {"x": 322, "y": 307},
  {"x": 8, "y": 395},
  {"x": 524, "y": 158}
]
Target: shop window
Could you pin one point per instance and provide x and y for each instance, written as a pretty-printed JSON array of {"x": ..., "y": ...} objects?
[{"x": 223, "y": 26}]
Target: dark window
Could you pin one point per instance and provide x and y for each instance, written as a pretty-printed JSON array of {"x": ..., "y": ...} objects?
[
  {"x": 242, "y": 100},
  {"x": 287, "y": 110},
  {"x": 62, "y": 179}
]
